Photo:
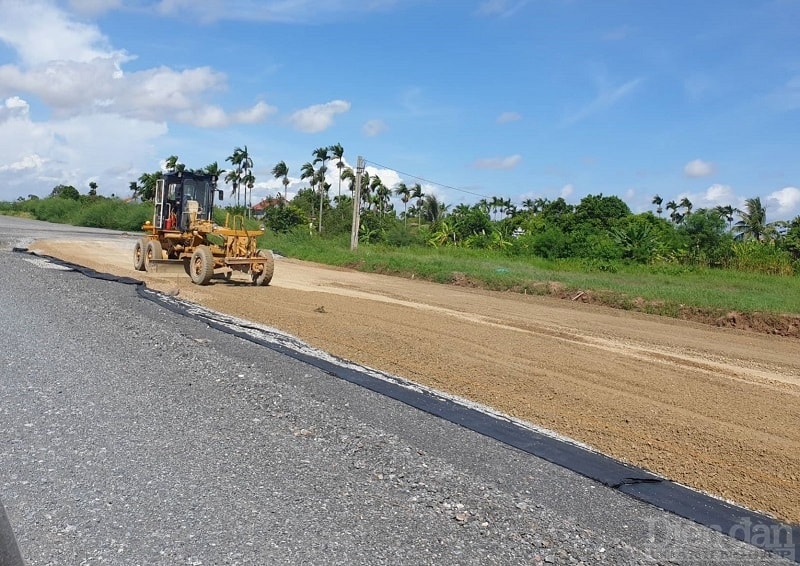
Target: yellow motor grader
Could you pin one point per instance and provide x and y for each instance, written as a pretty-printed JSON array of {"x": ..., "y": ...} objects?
[{"x": 183, "y": 237}]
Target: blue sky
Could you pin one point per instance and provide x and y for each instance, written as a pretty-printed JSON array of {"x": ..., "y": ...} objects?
[{"x": 511, "y": 98}]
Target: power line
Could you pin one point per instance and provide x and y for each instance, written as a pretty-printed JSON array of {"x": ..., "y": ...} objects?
[{"x": 427, "y": 180}]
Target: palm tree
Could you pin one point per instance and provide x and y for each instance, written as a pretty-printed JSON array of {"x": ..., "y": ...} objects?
[
  {"x": 350, "y": 175},
  {"x": 673, "y": 206},
  {"x": 404, "y": 193},
  {"x": 687, "y": 204},
  {"x": 337, "y": 153},
  {"x": 321, "y": 156},
  {"x": 375, "y": 184},
  {"x": 171, "y": 163},
  {"x": 434, "y": 209},
  {"x": 281, "y": 170},
  {"x": 384, "y": 194},
  {"x": 147, "y": 184},
  {"x": 727, "y": 213},
  {"x": 658, "y": 201},
  {"x": 753, "y": 224},
  {"x": 234, "y": 176},
  {"x": 529, "y": 204},
  {"x": 213, "y": 169},
  {"x": 417, "y": 194}
]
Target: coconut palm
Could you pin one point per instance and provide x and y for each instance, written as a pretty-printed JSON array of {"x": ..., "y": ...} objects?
[
  {"x": 337, "y": 153},
  {"x": 687, "y": 204},
  {"x": 753, "y": 224},
  {"x": 434, "y": 209}
]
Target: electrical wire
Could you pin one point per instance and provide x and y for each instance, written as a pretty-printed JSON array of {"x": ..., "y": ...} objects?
[{"x": 424, "y": 180}]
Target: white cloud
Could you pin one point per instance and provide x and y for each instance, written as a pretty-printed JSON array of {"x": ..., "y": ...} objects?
[
  {"x": 372, "y": 128},
  {"x": 718, "y": 195},
  {"x": 507, "y": 117},
  {"x": 787, "y": 200},
  {"x": 254, "y": 115},
  {"x": 14, "y": 107},
  {"x": 319, "y": 117},
  {"x": 498, "y": 162},
  {"x": 28, "y": 162},
  {"x": 698, "y": 168},
  {"x": 40, "y": 33},
  {"x": 566, "y": 191},
  {"x": 605, "y": 99}
]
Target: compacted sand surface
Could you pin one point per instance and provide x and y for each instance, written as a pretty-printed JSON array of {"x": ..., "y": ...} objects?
[{"x": 717, "y": 409}]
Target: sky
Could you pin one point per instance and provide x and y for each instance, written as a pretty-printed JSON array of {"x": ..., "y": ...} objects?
[{"x": 474, "y": 99}]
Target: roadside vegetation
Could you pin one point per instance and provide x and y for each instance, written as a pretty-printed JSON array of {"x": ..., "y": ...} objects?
[{"x": 719, "y": 265}]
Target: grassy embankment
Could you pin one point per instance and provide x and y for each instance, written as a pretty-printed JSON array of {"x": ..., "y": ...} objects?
[{"x": 696, "y": 293}]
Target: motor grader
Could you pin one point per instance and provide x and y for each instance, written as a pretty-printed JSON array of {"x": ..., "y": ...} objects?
[{"x": 184, "y": 238}]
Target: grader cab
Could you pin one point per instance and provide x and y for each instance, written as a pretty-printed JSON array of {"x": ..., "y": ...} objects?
[{"x": 184, "y": 238}]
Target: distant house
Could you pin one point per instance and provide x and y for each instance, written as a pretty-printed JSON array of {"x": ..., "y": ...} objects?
[{"x": 260, "y": 209}]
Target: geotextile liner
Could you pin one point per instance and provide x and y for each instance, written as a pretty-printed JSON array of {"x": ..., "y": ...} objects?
[{"x": 732, "y": 520}]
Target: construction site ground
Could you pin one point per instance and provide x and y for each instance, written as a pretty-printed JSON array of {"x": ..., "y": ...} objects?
[{"x": 717, "y": 409}]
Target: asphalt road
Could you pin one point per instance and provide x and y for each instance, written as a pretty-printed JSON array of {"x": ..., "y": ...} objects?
[{"x": 133, "y": 435}]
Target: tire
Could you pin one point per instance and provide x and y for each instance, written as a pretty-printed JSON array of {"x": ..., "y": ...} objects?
[
  {"x": 201, "y": 268},
  {"x": 152, "y": 251},
  {"x": 139, "y": 254},
  {"x": 265, "y": 276}
]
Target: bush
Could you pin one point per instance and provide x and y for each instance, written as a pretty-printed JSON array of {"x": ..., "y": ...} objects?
[{"x": 759, "y": 257}]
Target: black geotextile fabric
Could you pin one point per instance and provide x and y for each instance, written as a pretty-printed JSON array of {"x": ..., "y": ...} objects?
[{"x": 737, "y": 522}]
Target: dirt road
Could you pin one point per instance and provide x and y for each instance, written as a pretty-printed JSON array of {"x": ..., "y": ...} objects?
[{"x": 717, "y": 409}]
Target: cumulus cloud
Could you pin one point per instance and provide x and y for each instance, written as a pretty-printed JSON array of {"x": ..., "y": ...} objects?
[
  {"x": 507, "y": 117},
  {"x": 787, "y": 201},
  {"x": 498, "y": 162},
  {"x": 28, "y": 162},
  {"x": 319, "y": 117},
  {"x": 40, "y": 33},
  {"x": 698, "y": 168},
  {"x": 13, "y": 107},
  {"x": 77, "y": 72},
  {"x": 566, "y": 191},
  {"x": 372, "y": 128}
]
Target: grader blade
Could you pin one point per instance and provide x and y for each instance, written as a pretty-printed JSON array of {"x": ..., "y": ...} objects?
[{"x": 168, "y": 267}]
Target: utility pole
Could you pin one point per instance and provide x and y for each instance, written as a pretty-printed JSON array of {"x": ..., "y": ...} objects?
[{"x": 357, "y": 205}]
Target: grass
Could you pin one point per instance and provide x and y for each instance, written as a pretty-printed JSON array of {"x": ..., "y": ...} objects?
[{"x": 665, "y": 289}]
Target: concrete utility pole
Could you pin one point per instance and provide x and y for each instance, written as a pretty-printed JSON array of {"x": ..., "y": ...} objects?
[{"x": 360, "y": 165}]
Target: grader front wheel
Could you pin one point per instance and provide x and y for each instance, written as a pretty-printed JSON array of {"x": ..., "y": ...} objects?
[
  {"x": 139, "y": 254},
  {"x": 264, "y": 276},
  {"x": 201, "y": 267},
  {"x": 152, "y": 251}
]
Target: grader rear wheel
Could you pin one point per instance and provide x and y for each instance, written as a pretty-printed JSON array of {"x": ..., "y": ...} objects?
[
  {"x": 139, "y": 254},
  {"x": 152, "y": 251},
  {"x": 264, "y": 276},
  {"x": 201, "y": 268}
]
